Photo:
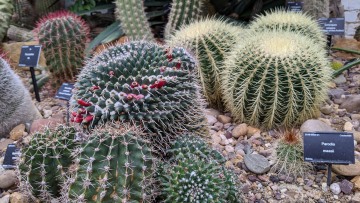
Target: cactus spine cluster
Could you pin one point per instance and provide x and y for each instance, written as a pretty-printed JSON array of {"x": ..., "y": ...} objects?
[
  {"x": 289, "y": 21},
  {"x": 276, "y": 78},
  {"x": 113, "y": 166},
  {"x": 210, "y": 40},
  {"x": 63, "y": 37},
  {"x": 45, "y": 161},
  {"x": 141, "y": 83},
  {"x": 133, "y": 19},
  {"x": 183, "y": 12},
  {"x": 6, "y": 10},
  {"x": 16, "y": 106}
]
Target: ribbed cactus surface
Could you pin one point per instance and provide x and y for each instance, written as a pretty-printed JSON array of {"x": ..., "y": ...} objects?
[
  {"x": 276, "y": 78},
  {"x": 210, "y": 40},
  {"x": 113, "y": 166},
  {"x": 317, "y": 8},
  {"x": 16, "y": 106},
  {"x": 45, "y": 161},
  {"x": 183, "y": 12},
  {"x": 290, "y": 21},
  {"x": 6, "y": 11},
  {"x": 142, "y": 83},
  {"x": 24, "y": 14},
  {"x": 63, "y": 37},
  {"x": 133, "y": 19}
]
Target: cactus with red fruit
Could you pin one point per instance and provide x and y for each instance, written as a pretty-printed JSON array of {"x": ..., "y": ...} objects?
[
  {"x": 63, "y": 37},
  {"x": 141, "y": 83}
]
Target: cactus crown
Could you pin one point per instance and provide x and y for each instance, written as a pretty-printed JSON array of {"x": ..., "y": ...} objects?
[{"x": 6, "y": 10}]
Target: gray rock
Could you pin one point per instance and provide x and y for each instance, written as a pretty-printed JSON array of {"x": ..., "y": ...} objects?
[
  {"x": 257, "y": 163},
  {"x": 239, "y": 130},
  {"x": 212, "y": 112},
  {"x": 335, "y": 188},
  {"x": 336, "y": 93},
  {"x": 340, "y": 79},
  {"x": 313, "y": 125},
  {"x": 5, "y": 199},
  {"x": 346, "y": 187},
  {"x": 351, "y": 104},
  {"x": 327, "y": 109},
  {"x": 7, "y": 179},
  {"x": 211, "y": 119},
  {"x": 217, "y": 126}
]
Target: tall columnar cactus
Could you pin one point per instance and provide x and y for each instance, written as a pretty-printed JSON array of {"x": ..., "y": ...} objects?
[
  {"x": 113, "y": 166},
  {"x": 317, "y": 8},
  {"x": 133, "y": 19},
  {"x": 45, "y": 161},
  {"x": 290, "y": 21},
  {"x": 6, "y": 11},
  {"x": 24, "y": 14},
  {"x": 43, "y": 7},
  {"x": 141, "y": 83},
  {"x": 183, "y": 12},
  {"x": 210, "y": 40},
  {"x": 16, "y": 106},
  {"x": 276, "y": 78},
  {"x": 63, "y": 37}
]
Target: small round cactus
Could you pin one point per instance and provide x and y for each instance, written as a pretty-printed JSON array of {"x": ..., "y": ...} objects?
[{"x": 276, "y": 78}]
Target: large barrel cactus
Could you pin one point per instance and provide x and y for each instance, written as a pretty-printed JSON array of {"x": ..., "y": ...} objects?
[
  {"x": 6, "y": 11},
  {"x": 141, "y": 83},
  {"x": 289, "y": 21},
  {"x": 45, "y": 161},
  {"x": 113, "y": 166},
  {"x": 210, "y": 40},
  {"x": 276, "y": 78},
  {"x": 16, "y": 106},
  {"x": 63, "y": 37}
]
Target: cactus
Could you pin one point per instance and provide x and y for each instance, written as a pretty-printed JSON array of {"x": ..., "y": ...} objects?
[
  {"x": 23, "y": 14},
  {"x": 336, "y": 65},
  {"x": 6, "y": 10},
  {"x": 45, "y": 161},
  {"x": 43, "y": 7},
  {"x": 141, "y": 83},
  {"x": 113, "y": 166},
  {"x": 210, "y": 40},
  {"x": 183, "y": 12},
  {"x": 290, "y": 21},
  {"x": 276, "y": 78},
  {"x": 63, "y": 37},
  {"x": 317, "y": 8},
  {"x": 16, "y": 106},
  {"x": 133, "y": 19}
]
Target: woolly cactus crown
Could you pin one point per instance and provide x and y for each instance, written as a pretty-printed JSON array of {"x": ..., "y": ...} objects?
[{"x": 276, "y": 78}]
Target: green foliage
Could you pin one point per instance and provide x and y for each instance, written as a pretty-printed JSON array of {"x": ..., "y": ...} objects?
[
  {"x": 45, "y": 161},
  {"x": 63, "y": 37},
  {"x": 6, "y": 10},
  {"x": 142, "y": 83},
  {"x": 210, "y": 40},
  {"x": 113, "y": 166},
  {"x": 276, "y": 78}
]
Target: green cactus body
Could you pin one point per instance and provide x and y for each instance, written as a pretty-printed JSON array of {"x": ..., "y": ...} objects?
[
  {"x": 16, "y": 106},
  {"x": 133, "y": 19},
  {"x": 45, "y": 161},
  {"x": 275, "y": 79},
  {"x": 6, "y": 11},
  {"x": 43, "y": 7},
  {"x": 113, "y": 166},
  {"x": 183, "y": 12},
  {"x": 141, "y": 83},
  {"x": 210, "y": 40},
  {"x": 63, "y": 37},
  {"x": 24, "y": 14},
  {"x": 289, "y": 21}
]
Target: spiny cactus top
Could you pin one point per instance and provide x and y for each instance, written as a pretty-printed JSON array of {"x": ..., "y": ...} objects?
[
  {"x": 16, "y": 106},
  {"x": 141, "y": 83},
  {"x": 63, "y": 36},
  {"x": 210, "y": 40},
  {"x": 6, "y": 10},
  {"x": 276, "y": 78},
  {"x": 290, "y": 21}
]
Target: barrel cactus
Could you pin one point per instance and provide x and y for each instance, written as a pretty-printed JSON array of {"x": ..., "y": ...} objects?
[
  {"x": 210, "y": 40},
  {"x": 6, "y": 11},
  {"x": 45, "y": 161},
  {"x": 289, "y": 21},
  {"x": 63, "y": 37},
  {"x": 276, "y": 78},
  {"x": 16, "y": 106},
  {"x": 142, "y": 83},
  {"x": 113, "y": 166}
]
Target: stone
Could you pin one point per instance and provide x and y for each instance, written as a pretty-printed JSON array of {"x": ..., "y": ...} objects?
[
  {"x": 335, "y": 188},
  {"x": 356, "y": 182},
  {"x": 351, "y": 104},
  {"x": 347, "y": 170},
  {"x": 314, "y": 125},
  {"x": 215, "y": 139},
  {"x": 39, "y": 124},
  {"x": 224, "y": 119},
  {"x": 47, "y": 113},
  {"x": 212, "y": 112},
  {"x": 17, "y": 132},
  {"x": 17, "y": 197},
  {"x": 229, "y": 148},
  {"x": 340, "y": 80},
  {"x": 348, "y": 126},
  {"x": 346, "y": 186},
  {"x": 5, "y": 199},
  {"x": 336, "y": 93},
  {"x": 211, "y": 119},
  {"x": 240, "y": 130},
  {"x": 256, "y": 163},
  {"x": 252, "y": 130},
  {"x": 341, "y": 112},
  {"x": 355, "y": 116},
  {"x": 8, "y": 179},
  {"x": 217, "y": 126},
  {"x": 327, "y": 109},
  {"x": 356, "y": 136},
  {"x": 4, "y": 143}
]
